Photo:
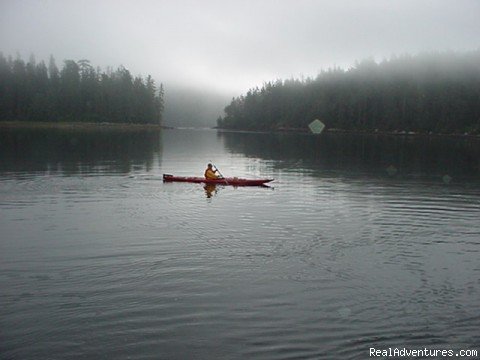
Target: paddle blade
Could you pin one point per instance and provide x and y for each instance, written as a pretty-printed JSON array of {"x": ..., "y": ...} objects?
[{"x": 316, "y": 126}]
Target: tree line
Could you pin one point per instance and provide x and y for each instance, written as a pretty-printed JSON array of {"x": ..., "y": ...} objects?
[
  {"x": 31, "y": 91},
  {"x": 434, "y": 92}
]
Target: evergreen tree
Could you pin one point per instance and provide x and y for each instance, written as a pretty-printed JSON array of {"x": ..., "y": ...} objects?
[{"x": 78, "y": 92}]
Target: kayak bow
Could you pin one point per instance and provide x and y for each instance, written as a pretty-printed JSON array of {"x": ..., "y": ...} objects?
[{"x": 222, "y": 181}]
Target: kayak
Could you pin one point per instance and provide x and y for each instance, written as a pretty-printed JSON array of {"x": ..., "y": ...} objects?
[{"x": 221, "y": 181}]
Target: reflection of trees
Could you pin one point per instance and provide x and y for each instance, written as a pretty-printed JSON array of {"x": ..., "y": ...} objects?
[
  {"x": 77, "y": 151},
  {"x": 362, "y": 153}
]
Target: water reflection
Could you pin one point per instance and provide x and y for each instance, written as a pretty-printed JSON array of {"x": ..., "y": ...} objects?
[
  {"x": 320, "y": 268},
  {"x": 72, "y": 152},
  {"x": 210, "y": 190},
  {"x": 379, "y": 155}
]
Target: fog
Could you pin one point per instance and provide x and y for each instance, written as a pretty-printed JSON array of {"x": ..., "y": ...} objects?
[{"x": 226, "y": 47}]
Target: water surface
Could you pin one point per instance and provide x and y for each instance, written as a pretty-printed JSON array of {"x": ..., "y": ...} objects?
[{"x": 360, "y": 242}]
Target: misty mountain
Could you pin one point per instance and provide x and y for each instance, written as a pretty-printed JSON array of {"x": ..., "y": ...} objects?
[{"x": 193, "y": 107}]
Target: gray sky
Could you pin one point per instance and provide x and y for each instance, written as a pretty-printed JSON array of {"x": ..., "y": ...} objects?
[{"x": 231, "y": 46}]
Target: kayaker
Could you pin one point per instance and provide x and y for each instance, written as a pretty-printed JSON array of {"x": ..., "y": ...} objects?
[{"x": 210, "y": 173}]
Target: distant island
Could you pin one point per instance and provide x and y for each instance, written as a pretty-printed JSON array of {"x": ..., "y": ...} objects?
[
  {"x": 426, "y": 93},
  {"x": 35, "y": 92}
]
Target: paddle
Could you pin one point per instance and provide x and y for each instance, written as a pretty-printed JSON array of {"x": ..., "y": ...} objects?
[{"x": 216, "y": 168}]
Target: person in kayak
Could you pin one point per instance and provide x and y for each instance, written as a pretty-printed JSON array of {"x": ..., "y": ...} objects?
[{"x": 210, "y": 173}]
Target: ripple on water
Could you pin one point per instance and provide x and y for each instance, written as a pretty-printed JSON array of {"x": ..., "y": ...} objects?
[{"x": 318, "y": 266}]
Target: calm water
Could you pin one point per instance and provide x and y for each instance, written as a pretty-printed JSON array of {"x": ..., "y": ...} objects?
[{"x": 360, "y": 242}]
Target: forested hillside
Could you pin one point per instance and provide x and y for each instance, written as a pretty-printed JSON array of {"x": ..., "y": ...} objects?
[
  {"x": 425, "y": 93},
  {"x": 31, "y": 91}
]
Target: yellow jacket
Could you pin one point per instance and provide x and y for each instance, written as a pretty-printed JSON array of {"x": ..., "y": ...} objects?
[{"x": 210, "y": 174}]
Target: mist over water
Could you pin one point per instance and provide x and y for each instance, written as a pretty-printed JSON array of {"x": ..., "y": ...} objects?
[{"x": 360, "y": 242}]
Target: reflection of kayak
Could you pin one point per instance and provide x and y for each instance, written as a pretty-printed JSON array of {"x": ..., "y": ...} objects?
[{"x": 222, "y": 181}]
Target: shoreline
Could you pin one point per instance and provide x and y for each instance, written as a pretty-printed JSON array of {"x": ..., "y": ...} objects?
[
  {"x": 354, "y": 132},
  {"x": 32, "y": 125},
  {"x": 79, "y": 126}
]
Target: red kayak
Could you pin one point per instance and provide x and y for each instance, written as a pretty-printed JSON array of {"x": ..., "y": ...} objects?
[{"x": 222, "y": 181}]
